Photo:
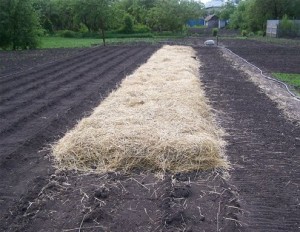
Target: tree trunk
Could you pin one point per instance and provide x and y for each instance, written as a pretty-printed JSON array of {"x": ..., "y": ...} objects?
[{"x": 103, "y": 36}]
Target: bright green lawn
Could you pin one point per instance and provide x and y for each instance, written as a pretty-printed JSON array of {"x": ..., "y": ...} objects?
[
  {"x": 291, "y": 79},
  {"x": 60, "y": 42}
]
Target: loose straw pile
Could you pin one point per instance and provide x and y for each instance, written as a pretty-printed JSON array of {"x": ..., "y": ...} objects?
[{"x": 158, "y": 119}]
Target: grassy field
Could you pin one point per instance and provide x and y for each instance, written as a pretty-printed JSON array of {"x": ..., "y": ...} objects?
[
  {"x": 291, "y": 79},
  {"x": 60, "y": 42}
]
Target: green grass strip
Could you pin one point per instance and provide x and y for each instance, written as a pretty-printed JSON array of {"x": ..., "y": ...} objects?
[
  {"x": 291, "y": 79},
  {"x": 61, "y": 42}
]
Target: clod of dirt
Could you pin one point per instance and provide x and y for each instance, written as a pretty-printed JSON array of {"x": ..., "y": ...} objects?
[
  {"x": 175, "y": 218},
  {"x": 181, "y": 192},
  {"x": 181, "y": 176},
  {"x": 96, "y": 214},
  {"x": 297, "y": 141},
  {"x": 102, "y": 193}
]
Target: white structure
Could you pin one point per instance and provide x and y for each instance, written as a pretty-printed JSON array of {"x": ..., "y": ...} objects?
[
  {"x": 214, "y": 4},
  {"x": 272, "y": 27},
  {"x": 209, "y": 43}
]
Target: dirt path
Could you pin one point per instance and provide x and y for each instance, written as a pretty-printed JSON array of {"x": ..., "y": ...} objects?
[{"x": 264, "y": 147}]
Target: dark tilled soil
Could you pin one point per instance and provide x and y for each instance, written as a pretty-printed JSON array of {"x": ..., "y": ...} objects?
[
  {"x": 269, "y": 57},
  {"x": 40, "y": 105},
  {"x": 263, "y": 147},
  {"x": 16, "y": 61}
]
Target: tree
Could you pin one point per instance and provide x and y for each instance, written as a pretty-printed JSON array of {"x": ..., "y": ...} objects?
[
  {"x": 128, "y": 24},
  {"x": 227, "y": 10},
  {"x": 172, "y": 15},
  {"x": 94, "y": 14},
  {"x": 19, "y": 25},
  {"x": 253, "y": 14},
  {"x": 238, "y": 19},
  {"x": 136, "y": 8}
]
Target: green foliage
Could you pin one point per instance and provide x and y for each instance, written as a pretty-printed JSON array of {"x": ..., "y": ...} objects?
[
  {"x": 139, "y": 28},
  {"x": 260, "y": 33},
  {"x": 47, "y": 25},
  {"x": 128, "y": 25},
  {"x": 238, "y": 19},
  {"x": 95, "y": 15},
  {"x": 69, "y": 34},
  {"x": 285, "y": 24},
  {"x": 251, "y": 34},
  {"x": 252, "y": 15},
  {"x": 227, "y": 10},
  {"x": 172, "y": 15},
  {"x": 19, "y": 25},
  {"x": 215, "y": 32}
]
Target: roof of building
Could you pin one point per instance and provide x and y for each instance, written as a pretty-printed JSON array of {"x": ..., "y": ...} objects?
[{"x": 209, "y": 17}]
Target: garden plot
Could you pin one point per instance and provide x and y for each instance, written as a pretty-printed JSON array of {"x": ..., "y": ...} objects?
[
  {"x": 40, "y": 104},
  {"x": 157, "y": 119}
]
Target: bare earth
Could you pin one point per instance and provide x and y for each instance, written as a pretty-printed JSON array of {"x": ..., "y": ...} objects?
[{"x": 39, "y": 105}]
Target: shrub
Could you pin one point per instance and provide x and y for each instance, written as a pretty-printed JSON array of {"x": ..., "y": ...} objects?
[
  {"x": 140, "y": 28},
  {"x": 251, "y": 34},
  {"x": 260, "y": 33},
  {"x": 244, "y": 33},
  {"x": 215, "y": 32},
  {"x": 47, "y": 25},
  {"x": 68, "y": 34},
  {"x": 128, "y": 25},
  {"x": 90, "y": 34},
  {"x": 83, "y": 28}
]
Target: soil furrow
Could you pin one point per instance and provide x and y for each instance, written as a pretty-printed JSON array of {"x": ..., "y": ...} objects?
[
  {"x": 39, "y": 115},
  {"x": 60, "y": 64},
  {"x": 38, "y": 78},
  {"x": 46, "y": 87},
  {"x": 76, "y": 82},
  {"x": 261, "y": 146}
]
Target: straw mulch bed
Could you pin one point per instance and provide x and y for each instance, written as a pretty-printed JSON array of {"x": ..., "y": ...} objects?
[{"x": 158, "y": 119}]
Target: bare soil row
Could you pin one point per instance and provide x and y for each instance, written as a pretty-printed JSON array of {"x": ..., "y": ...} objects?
[{"x": 263, "y": 146}]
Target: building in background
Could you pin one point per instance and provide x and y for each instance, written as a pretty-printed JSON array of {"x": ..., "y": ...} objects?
[{"x": 214, "y": 6}]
